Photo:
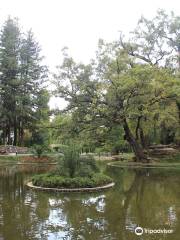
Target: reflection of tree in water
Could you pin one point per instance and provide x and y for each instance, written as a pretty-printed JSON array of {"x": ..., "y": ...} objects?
[
  {"x": 85, "y": 214},
  {"x": 15, "y": 214},
  {"x": 17, "y": 205},
  {"x": 149, "y": 202},
  {"x": 141, "y": 197}
]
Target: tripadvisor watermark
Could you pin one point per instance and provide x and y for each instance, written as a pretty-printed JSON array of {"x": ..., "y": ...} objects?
[{"x": 140, "y": 231}]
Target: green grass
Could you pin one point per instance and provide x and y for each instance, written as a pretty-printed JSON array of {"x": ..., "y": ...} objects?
[
  {"x": 170, "y": 159},
  {"x": 127, "y": 156},
  {"x": 9, "y": 158},
  {"x": 161, "y": 164},
  {"x": 162, "y": 161},
  {"x": 56, "y": 181},
  {"x": 14, "y": 158},
  {"x": 121, "y": 157}
]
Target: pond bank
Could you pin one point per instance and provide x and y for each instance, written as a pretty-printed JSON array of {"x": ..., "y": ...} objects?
[
  {"x": 93, "y": 189},
  {"x": 143, "y": 165}
]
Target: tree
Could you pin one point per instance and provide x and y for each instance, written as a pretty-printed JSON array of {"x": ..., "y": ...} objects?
[
  {"x": 10, "y": 83},
  {"x": 34, "y": 96},
  {"x": 22, "y": 82},
  {"x": 117, "y": 89},
  {"x": 156, "y": 42}
]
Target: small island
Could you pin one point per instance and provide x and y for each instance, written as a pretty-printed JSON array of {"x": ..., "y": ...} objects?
[{"x": 74, "y": 173}]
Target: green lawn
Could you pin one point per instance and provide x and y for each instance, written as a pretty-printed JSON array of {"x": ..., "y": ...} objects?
[
  {"x": 157, "y": 162},
  {"x": 9, "y": 158}
]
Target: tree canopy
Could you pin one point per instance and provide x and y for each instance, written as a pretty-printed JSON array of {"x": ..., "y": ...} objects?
[
  {"x": 21, "y": 83},
  {"x": 132, "y": 83},
  {"x": 128, "y": 94}
]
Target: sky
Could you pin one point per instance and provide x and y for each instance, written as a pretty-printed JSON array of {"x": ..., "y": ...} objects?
[{"x": 78, "y": 24}]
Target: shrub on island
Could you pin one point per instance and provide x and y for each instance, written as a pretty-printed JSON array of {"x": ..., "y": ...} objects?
[
  {"x": 55, "y": 181},
  {"x": 73, "y": 171}
]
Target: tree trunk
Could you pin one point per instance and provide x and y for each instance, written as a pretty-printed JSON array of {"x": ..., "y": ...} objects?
[
  {"x": 4, "y": 134},
  {"x": 21, "y": 134},
  {"x": 178, "y": 107},
  {"x": 137, "y": 127},
  {"x": 9, "y": 133},
  {"x": 138, "y": 151},
  {"x": 142, "y": 137},
  {"x": 15, "y": 132}
]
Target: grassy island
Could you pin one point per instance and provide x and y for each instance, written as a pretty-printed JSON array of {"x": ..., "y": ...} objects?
[
  {"x": 73, "y": 171},
  {"x": 56, "y": 181}
]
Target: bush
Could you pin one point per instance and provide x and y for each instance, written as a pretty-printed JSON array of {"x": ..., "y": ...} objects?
[
  {"x": 73, "y": 164},
  {"x": 87, "y": 166},
  {"x": 74, "y": 171},
  {"x": 56, "y": 181},
  {"x": 71, "y": 160},
  {"x": 60, "y": 148},
  {"x": 39, "y": 150}
]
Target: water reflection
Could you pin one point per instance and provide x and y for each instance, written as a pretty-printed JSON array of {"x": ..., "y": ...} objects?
[{"x": 147, "y": 198}]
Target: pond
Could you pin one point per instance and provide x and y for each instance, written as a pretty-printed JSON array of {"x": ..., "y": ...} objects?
[{"x": 145, "y": 198}]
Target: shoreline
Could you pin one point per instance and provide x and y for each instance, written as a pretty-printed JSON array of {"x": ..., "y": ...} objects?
[
  {"x": 143, "y": 165},
  {"x": 93, "y": 189}
]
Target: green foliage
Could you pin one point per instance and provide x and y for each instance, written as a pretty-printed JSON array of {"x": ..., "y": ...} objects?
[
  {"x": 56, "y": 181},
  {"x": 9, "y": 158},
  {"x": 60, "y": 148},
  {"x": 40, "y": 137},
  {"x": 87, "y": 166},
  {"x": 131, "y": 85},
  {"x": 175, "y": 158},
  {"x": 23, "y": 97},
  {"x": 128, "y": 95},
  {"x": 62, "y": 129},
  {"x": 73, "y": 164},
  {"x": 71, "y": 160},
  {"x": 40, "y": 150},
  {"x": 40, "y": 142}
]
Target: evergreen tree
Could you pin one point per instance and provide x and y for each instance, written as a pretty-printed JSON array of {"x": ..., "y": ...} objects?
[
  {"x": 10, "y": 82},
  {"x": 33, "y": 76},
  {"x": 22, "y": 82}
]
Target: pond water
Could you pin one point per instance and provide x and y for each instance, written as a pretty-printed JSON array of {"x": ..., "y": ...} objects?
[{"x": 141, "y": 197}]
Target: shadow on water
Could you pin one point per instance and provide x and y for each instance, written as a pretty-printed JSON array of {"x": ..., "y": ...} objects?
[{"x": 141, "y": 197}]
